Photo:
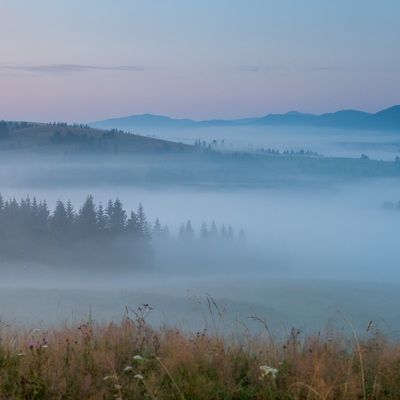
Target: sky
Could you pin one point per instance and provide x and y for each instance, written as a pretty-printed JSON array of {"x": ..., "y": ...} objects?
[{"x": 89, "y": 60}]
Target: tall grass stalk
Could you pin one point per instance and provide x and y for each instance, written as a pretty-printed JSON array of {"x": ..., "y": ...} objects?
[
  {"x": 131, "y": 359},
  {"x": 359, "y": 352}
]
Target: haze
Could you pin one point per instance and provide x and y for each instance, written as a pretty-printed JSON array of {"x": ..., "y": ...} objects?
[
  {"x": 309, "y": 244},
  {"x": 81, "y": 62},
  {"x": 319, "y": 207}
]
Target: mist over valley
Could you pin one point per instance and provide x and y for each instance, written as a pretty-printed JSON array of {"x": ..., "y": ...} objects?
[
  {"x": 302, "y": 205},
  {"x": 199, "y": 200},
  {"x": 346, "y": 133}
]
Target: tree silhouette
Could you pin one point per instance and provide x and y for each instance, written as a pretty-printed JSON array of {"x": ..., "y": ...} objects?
[
  {"x": 142, "y": 224},
  {"x": 4, "y": 131},
  {"x": 101, "y": 220},
  {"x": 59, "y": 221},
  {"x": 116, "y": 218},
  {"x": 87, "y": 219}
]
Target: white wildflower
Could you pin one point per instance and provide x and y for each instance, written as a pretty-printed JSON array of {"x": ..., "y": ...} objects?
[
  {"x": 118, "y": 387},
  {"x": 268, "y": 371},
  {"x": 106, "y": 378},
  {"x": 138, "y": 357},
  {"x": 128, "y": 368},
  {"x": 138, "y": 376}
]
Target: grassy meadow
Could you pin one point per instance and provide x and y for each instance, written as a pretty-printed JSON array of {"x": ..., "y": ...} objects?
[{"x": 130, "y": 359}]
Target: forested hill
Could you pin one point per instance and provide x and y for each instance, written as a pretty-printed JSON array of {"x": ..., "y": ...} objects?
[
  {"x": 63, "y": 139},
  {"x": 56, "y": 155}
]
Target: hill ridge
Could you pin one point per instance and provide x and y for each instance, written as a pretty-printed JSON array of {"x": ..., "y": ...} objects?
[{"x": 387, "y": 119}]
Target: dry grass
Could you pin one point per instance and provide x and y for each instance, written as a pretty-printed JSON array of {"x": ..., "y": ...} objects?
[{"x": 130, "y": 359}]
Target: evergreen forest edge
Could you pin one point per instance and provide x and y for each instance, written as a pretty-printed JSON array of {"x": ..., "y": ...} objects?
[{"x": 101, "y": 238}]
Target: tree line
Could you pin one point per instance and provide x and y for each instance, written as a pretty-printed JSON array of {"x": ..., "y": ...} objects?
[
  {"x": 99, "y": 235},
  {"x": 96, "y": 236}
]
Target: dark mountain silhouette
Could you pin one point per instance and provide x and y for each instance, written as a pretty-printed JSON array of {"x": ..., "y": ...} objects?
[
  {"x": 290, "y": 118},
  {"x": 143, "y": 121},
  {"x": 385, "y": 120},
  {"x": 388, "y": 119},
  {"x": 344, "y": 118}
]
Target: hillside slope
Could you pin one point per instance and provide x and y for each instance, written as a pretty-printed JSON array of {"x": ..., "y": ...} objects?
[{"x": 59, "y": 139}]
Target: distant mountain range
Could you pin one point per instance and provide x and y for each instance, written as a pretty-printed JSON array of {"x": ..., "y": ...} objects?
[{"x": 385, "y": 120}]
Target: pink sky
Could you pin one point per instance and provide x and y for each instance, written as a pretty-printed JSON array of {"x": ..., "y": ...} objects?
[{"x": 84, "y": 61}]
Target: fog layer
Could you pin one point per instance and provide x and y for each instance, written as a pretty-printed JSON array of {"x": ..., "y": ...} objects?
[
  {"x": 315, "y": 235},
  {"x": 329, "y": 142},
  {"x": 339, "y": 232}
]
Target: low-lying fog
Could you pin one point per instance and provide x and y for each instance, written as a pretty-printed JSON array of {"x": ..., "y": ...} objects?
[
  {"x": 335, "y": 233},
  {"x": 313, "y": 253},
  {"x": 328, "y": 142}
]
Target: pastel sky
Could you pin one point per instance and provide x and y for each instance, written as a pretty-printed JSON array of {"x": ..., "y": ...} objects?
[{"x": 87, "y": 60}]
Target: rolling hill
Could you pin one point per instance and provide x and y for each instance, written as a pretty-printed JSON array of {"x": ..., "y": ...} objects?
[
  {"x": 56, "y": 154},
  {"x": 62, "y": 139}
]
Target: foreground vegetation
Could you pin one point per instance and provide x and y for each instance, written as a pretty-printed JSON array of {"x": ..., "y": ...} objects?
[{"x": 130, "y": 359}]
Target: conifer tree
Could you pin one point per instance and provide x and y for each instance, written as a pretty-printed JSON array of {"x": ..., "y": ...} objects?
[
  {"x": 71, "y": 218},
  {"x": 42, "y": 218},
  {"x": 204, "y": 232},
  {"x": 116, "y": 217},
  {"x": 87, "y": 219},
  {"x": 142, "y": 225},
  {"x": 213, "y": 231},
  {"x": 58, "y": 221},
  {"x": 132, "y": 226},
  {"x": 157, "y": 227},
  {"x": 101, "y": 220}
]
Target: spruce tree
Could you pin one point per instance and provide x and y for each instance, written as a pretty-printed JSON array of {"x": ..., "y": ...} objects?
[
  {"x": 101, "y": 220},
  {"x": 59, "y": 221},
  {"x": 116, "y": 217},
  {"x": 142, "y": 224},
  {"x": 87, "y": 219}
]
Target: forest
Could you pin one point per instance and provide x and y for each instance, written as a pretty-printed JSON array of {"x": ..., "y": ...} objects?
[{"x": 98, "y": 237}]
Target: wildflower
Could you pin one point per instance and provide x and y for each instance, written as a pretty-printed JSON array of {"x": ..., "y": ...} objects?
[
  {"x": 118, "y": 387},
  {"x": 268, "y": 371},
  {"x": 31, "y": 345},
  {"x": 21, "y": 354},
  {"x": 106, "y": 378},
  {"x": 138, "y": 357},
  {"x": 128, "y": 368},
  {"x": 138, "y": 376}
]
